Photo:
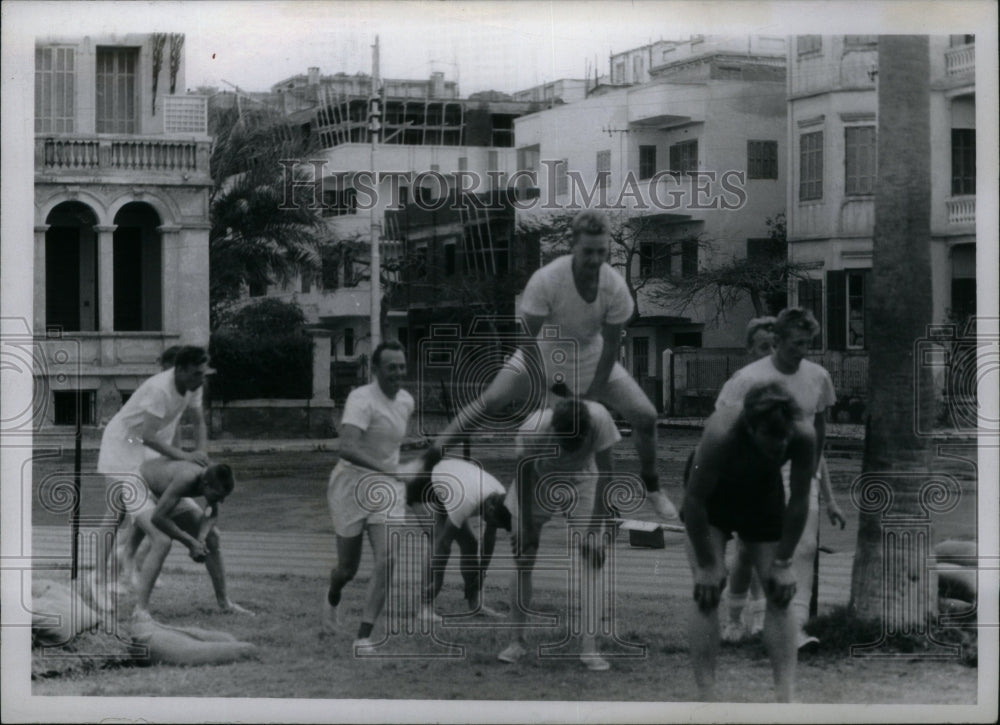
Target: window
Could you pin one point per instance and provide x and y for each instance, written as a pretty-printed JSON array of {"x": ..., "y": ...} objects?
[
  {"x": 619, "y": 72},
  {"x": 307, "y": 281},
  {"x": 811, "y": 166},
  {"x": 859, "y": 160},
  {"x": 811, "y": 297},
  {"x": 562, "y": 180},
  {"x": 956, "y": 40},
  {"x": 684, "y": 258},
  {"x": 687, "y": 339},
  {"x": 845, "y": 303},
  {"x": 603, "y": 165},
  {"x": 348, "y": 341},
  {"x": 637, "y": 69},
  {"x": 329, "y": 269},
  {"x": 350, "y": 278},
  {"x": 684, "y": 157},
  {"x": 419, "y": 263},
  {"x": 117, "y": 101},
  {"x": 647, "y": 161},
  {"x": 528, "y": 159},
  {"x": 66, "y": 406},
  {"x": 125, "y": 395},
  {"x": 762, "y": 159},
  {"x": 963, "y": 161},
  {"x": 54, "y": 90},
  {"x": 808, "y": 44},
  {"x": 654, "y": 259}
]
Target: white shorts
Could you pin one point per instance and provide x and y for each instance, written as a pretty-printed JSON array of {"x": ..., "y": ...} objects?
[{"x": 358, "y": 497}]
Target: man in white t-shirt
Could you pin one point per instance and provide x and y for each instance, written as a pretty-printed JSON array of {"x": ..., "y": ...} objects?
[
  {"x": 455, "y": 492},
  {"x": 569, "y": 483},
  {"x": 811, "y": 387},
  {"x": 144, "y": 429},
  {"x": 590, "y": 303},
  {"x": 364, "y": 491}
]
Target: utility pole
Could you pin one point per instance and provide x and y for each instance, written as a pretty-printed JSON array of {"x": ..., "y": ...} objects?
[{"x": 374, "y": 127}]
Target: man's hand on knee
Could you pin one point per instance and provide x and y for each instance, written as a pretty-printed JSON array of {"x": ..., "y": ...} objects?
[
  {"x": 708, "y": 586},
  {"x": 780, "y": 586}
]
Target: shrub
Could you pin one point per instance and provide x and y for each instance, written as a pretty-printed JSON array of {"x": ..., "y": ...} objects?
[{"x": 263, "y": 352}]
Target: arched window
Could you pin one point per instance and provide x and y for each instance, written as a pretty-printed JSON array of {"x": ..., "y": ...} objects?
[
  {"x": 71, "y": 296},
  {"x": 138, "y": 283}
]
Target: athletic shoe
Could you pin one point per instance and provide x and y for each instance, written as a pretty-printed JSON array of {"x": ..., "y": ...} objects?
[
  {"x": 594, "y": 662},
  {"x": 807, "y": 641},
  {"x": 754, "y": 615},
  {"x": 363, "y": 647},
  {"x": 733, "y": 631},
  {"x": 429, "y": 617},
  {"x": 513, "y": 654},
  {"x": 331, "y": 617},
  {"x": 489, "y": 612},
  {"x": 662, "y": 505}
]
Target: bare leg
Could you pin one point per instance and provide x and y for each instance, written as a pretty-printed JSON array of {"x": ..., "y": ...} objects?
[
  {"x": 779, "y": 628},
  {"x": 384, "y": 561},
  {"x": 348, "y": 559},
  {"x": 510, "y": 384},
  {"x": 159, "y": 549},
  {"x": 739, "y": 582},
  {"x": 704, "y": 626}
]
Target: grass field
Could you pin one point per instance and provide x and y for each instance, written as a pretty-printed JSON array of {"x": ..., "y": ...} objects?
[{"x": 283, "y": 492}]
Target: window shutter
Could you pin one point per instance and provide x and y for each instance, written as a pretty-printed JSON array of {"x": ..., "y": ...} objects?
[
  {"x": 866, "y": 288},
  {"x": 836, "y": 305}
]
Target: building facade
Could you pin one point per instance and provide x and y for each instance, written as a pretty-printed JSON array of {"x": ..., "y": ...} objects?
[
  {"x": 121, "y": 217},
  {"x": 832, "y": 127}
]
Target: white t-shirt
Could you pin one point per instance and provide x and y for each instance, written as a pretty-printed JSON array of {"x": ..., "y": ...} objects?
[
  {"x": 603, "y": 434},
  {"x": 383, "y": 422},
  {"x": 810, "y": 385},
  {"x": 122, "y": 449},
  {"x": 462, "y": 486},
  {"x": 551, "y": 293}
]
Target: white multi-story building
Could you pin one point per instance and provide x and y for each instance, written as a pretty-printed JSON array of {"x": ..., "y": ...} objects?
[
  {"x": 832, "y": 126},
  {"x": 121, "y": 218}
]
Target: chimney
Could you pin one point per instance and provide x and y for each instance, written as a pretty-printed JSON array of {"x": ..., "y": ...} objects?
[
  {"x": 314, "y": 76},
  {"x": 437, "y": 84}
]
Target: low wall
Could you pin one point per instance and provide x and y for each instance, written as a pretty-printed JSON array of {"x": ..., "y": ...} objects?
[{"x": 272, "y": 419}]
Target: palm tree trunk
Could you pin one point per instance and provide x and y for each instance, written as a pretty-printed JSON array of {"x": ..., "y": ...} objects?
[{"x": 889, "y": 580}]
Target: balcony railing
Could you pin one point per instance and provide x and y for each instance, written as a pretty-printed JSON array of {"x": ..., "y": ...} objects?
[
  {"x": 131, "y": 153},
  {"x": 960, "y": 60},
  {"x": 962, "y": 210}
]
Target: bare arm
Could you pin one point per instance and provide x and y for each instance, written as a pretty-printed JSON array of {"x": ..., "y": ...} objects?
[
  {"x": 612, "y": 335},
  {"x": 803, "y": 455},
  {"x": 350, "y": 449},
  {"x": 150, "y": 426},
  {"x": 703, "y": 479},
  {"x": 819, "y": 423},
  {"x": 179, "y": 486},
  {"x": 200, "y": 430},
  {"x": 826, "y": 492},
  {"x": 606, "y": 470}
]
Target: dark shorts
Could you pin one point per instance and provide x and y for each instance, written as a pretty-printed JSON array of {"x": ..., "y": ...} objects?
[{"x": 751, "y": 505}]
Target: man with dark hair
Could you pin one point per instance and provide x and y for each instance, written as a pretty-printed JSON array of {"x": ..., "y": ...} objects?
[
  {"x": 374, "y": 423},
  {"x": 169, "y": 512},
  {"x": 144, "y": 429},
  {"x": 455, "y": 492},
  {"x": 733, "y": 485},
  {"x": 582, "y": 433},
  {"x": 590, "y": 303},
  {"x": 812, "y": 388}
]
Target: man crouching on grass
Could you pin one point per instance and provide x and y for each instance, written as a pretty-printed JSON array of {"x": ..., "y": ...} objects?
[
  {"x": 170, "y": 513},
  {"x": 733, "y": 484}
]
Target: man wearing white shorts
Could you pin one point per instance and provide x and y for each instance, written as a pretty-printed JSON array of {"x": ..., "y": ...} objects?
[
  {"x": 590, "y": 303},
  {"x": 363, "y": 490},
  {"x": 584, "y": 434},
  {"x": 456, "y": 492},
  {"x": 811, "y": 387},
  {"x": 144, "y": 429}
]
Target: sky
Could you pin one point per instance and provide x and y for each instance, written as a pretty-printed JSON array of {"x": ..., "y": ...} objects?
[{"x": 502, "y": 45}]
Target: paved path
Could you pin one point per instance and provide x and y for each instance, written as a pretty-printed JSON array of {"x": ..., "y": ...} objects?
[{"x": 639, "y": 571}]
